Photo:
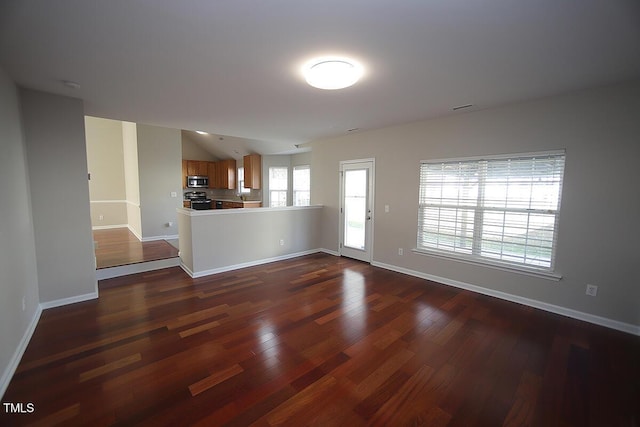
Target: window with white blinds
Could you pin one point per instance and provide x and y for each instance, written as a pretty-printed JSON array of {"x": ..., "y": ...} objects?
[{"x": 501, "y": 210}]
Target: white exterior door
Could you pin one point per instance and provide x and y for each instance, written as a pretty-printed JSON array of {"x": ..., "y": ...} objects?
[{"x": 356, "y": 209}]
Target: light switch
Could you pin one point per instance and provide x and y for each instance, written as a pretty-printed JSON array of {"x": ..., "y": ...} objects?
[{"x": 174, "y": 194}]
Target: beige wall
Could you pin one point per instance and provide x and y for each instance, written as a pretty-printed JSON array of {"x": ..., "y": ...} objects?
[
  {"x": 105, "y": 161},
  {"x": 213, "y": 241},
  {"x": 18, "y": 272},
  {"x": 192, "y": 151},
  {"x": 598, "y": 230},
  {"x": 132, "y": 185},
  {"x": 160, "y": 172}
]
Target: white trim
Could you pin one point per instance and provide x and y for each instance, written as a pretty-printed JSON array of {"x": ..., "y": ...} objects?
[
  {"x": 224, "y": 269},
  {"x": 134, "y": 232},
  {"x": 329, "y": 252},
  {"x": 141, "y": 267},
  {"x": 107, "y": 201},
  {"x": 70, "y": 300},
  {"x": 109, "y": 227},
  {"x": 155, "y": 238},
  {"x": 549, "y": 275},
  {"x": 137, "y": 205},
  {"x": 563, "y": 311},
  {"x": 7, "y": 375}
]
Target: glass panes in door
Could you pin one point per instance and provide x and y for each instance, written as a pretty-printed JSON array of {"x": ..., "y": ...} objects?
[{"x": 355, "y": 208}]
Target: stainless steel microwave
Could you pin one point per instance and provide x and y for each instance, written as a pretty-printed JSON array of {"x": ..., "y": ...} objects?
[{"x": 197, "y": 181}]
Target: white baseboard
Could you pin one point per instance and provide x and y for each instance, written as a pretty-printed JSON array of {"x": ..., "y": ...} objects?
[
  {"x": 134, "y": 232},
  {"x": 141, "y": 267},
  {"x": 17, "y": 355},
  {"x": 591, "y": 318},
  {"x": 329, "y": 252},
  {"x": 155, "y": 238},
  {"x": 70, "y": 300},
  {"x": 226, "y": 268},
  {"x": 108, "y": 227}
]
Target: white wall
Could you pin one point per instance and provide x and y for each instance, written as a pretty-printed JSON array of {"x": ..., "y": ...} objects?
[
  {"x": 18, "y": 273},
  {"x": 160, "y": 174},
  {"x": 598, "y": 229},
  {"x": 105, "y": 161},
  {"x": 57, "y": 161}
]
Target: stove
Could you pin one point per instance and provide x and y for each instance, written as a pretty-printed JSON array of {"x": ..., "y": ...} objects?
[{"x": 198, "y": 199}]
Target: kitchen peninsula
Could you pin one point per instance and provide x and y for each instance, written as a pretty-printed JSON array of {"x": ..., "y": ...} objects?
[{"x": 217, "y": 240}]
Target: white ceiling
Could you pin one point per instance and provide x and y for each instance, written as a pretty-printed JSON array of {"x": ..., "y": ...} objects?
[{"x": 231, "y": 67}]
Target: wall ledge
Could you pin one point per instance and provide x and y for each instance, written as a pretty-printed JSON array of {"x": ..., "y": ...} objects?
[{"x": 208, "y": 212}]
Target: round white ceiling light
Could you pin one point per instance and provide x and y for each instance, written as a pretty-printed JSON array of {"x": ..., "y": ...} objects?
[{"x": 332, "y": 73}]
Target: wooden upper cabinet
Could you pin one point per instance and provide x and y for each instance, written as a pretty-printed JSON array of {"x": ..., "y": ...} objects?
[
  {"x": 227, "y": 174},
  {"x": 197, "y": 168},
  {"x": 185, "y": 173},
  {"x": 252, "y": 171},
  {"x": 213, "y": 175}
]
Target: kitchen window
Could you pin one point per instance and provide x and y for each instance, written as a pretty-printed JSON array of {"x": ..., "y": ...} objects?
[
  {"x": 500, "y": 210},
  {"x": 301, "y": 185},
  {"x": 241, "y": 188},
  {"x": 278, "y": 186}
]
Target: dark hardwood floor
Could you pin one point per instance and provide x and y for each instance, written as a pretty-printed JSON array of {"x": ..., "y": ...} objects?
[
  {"x": 318, "y": 340},
  {"x": 119, "y": 246}
]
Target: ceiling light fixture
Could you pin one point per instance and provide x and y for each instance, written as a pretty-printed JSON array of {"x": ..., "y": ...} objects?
[
  {"x": 461, "y": 107},
  {"x": 71, "y": 84},
  {"x": 201, "y": 132},
  {"x": 332, "y": 73}
]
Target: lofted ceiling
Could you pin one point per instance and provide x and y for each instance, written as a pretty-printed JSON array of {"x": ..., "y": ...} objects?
[{"x": 232, "y": 67}]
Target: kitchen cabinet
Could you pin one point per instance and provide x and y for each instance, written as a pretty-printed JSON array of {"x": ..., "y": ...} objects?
[
  {"x": 252, "y": 171},
  {"x": 226, "y": 204},
  {"x": 213, "y": 175},
  {"x": 197, "y": 168},
  {"x": 226, "y": 174}
]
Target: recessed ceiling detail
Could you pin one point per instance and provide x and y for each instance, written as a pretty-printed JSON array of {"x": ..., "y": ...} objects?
[{"x": 332, "y": 73}]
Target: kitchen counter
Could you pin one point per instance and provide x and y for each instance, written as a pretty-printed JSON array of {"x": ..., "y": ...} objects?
[
  {"x": 229, "y": 203},
  {"x": 235, "y": 204}
]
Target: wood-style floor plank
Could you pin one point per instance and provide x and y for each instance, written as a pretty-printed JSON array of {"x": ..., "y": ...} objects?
[
  {"x": 318, "y": 340},
  {"x": 118, "y": 246}
]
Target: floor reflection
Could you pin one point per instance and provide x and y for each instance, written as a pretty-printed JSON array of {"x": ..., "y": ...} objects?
[{"x": 354, "y": 305}]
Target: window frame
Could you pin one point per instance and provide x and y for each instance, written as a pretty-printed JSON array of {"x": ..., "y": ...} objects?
[
  {"x": 241, "y": 188},
  {"x": 293, "y": 185},
  {"x": 475, "y": 257},
  {"x": 279, "y": 191}
]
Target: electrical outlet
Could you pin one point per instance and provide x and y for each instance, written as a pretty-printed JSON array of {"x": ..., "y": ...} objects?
[
  {"x": 400, "y": 251},
  {"x": 281, "y": 242},
  {"x": 592, "y": 290},
  {"x": 386, "y": 208}
]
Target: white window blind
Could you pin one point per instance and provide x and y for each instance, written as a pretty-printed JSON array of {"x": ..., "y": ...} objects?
[{"x": 500, "y": 210}]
